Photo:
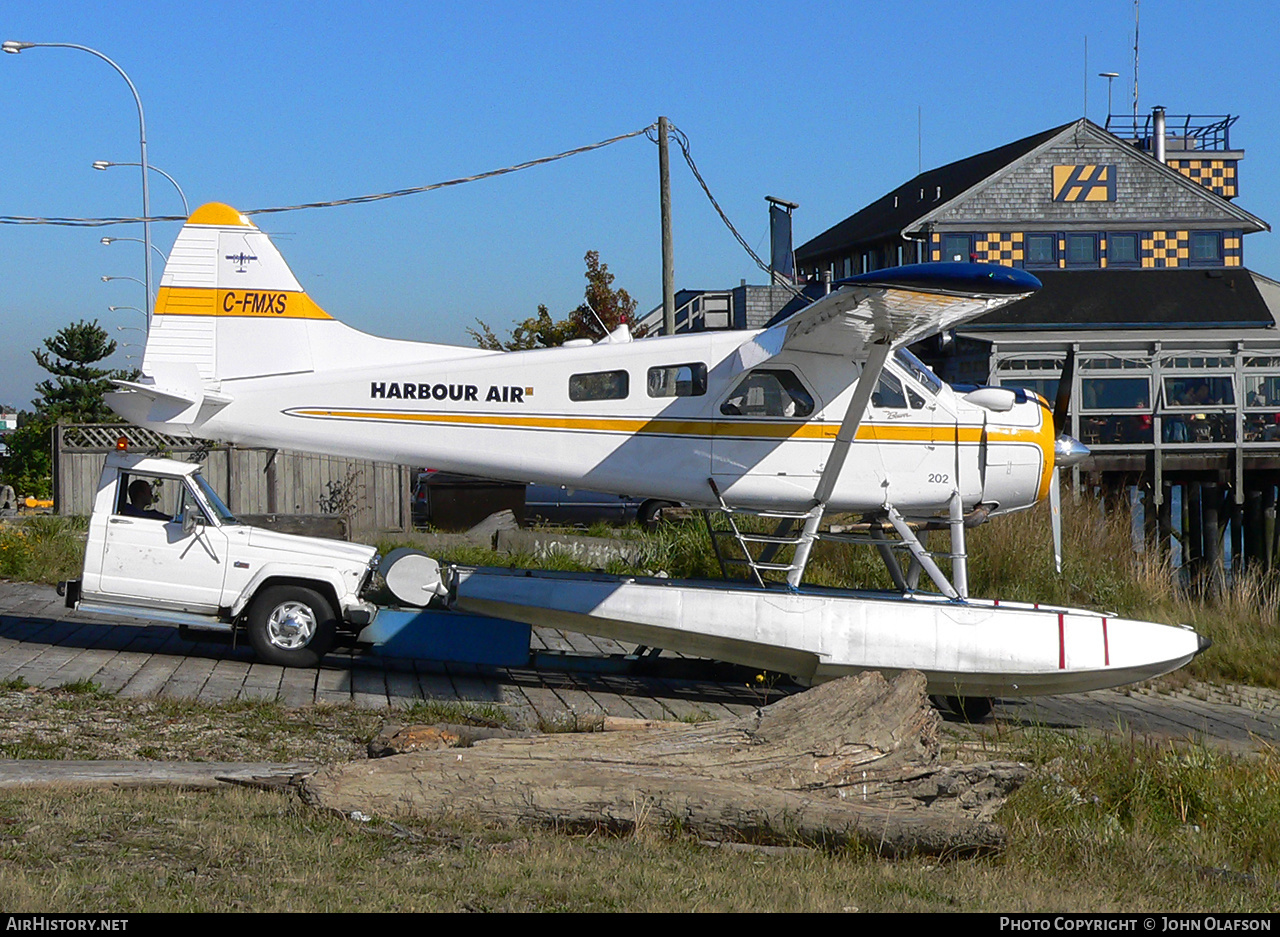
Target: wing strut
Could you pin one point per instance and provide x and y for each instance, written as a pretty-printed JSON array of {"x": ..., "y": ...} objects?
[{"x": 878, "y": 354}]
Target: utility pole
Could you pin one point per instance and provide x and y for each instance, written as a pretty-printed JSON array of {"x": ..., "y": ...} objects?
[{"x": 668, "y": 254}]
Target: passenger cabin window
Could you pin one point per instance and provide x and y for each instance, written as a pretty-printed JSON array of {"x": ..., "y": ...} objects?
[
  {"x": 677, "y": 380},
  {"x": 769, "y": 392},
  {"x": 599, "y": 385}
]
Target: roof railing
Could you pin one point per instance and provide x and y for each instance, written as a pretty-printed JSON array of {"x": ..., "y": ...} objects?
[{"x": 1199, "y": 132}]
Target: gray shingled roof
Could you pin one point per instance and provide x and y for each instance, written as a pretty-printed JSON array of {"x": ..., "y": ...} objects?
[{"x": 895, "y": 211}]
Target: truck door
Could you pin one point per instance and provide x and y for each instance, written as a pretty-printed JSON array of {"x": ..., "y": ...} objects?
[{"x": 150, "y": 556}]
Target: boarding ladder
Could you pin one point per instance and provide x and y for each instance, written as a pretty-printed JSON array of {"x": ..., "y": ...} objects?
[{"x": 888, "y": 535}]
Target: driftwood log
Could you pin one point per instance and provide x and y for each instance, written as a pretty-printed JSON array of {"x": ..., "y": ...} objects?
[{"x": 853, "y": 760}]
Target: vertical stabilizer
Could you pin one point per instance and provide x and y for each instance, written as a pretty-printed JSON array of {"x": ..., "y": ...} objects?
[{"x": 229, "y": 304}]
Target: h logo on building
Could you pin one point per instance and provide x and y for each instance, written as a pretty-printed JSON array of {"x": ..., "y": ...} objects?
[{"x": 1087, "y": 183}]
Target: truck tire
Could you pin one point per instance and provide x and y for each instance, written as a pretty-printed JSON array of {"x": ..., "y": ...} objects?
[
  {"x": 650, "y": 513},
  {"x": 971, "y": 708},
  {"x": 291, "y": 626}
]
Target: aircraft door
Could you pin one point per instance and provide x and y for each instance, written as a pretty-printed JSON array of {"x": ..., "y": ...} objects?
[
  {"x": 915, "y": 452},
  {"x": 764, "y": 436}
]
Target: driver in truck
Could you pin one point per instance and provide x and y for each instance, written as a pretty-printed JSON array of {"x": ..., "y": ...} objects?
[{"x": 140, "y": 501}]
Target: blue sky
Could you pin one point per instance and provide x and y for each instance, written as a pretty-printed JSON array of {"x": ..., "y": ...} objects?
[{"x": 275, "y": 103}]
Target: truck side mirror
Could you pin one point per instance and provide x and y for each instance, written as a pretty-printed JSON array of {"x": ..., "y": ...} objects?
[{"x": 190, "y": 518}]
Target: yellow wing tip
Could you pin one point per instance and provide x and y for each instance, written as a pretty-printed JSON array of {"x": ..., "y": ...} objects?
[{"x": 217, "y": 213}]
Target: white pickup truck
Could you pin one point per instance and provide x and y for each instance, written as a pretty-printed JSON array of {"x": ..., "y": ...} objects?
[{"x": 163, "y": 546}]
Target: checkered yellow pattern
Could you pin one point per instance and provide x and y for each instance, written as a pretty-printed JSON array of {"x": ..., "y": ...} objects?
[
  {"x": 1231, "y": 250},
  {"x": 1217, "y": 175},
  {"x": 1166, "y": 249},
  {"x": 999, "y": 247},
  {"x": 936, "y": 246}
]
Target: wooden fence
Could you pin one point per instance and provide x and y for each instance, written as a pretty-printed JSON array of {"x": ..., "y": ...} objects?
[{"x": 374, "y": 495}]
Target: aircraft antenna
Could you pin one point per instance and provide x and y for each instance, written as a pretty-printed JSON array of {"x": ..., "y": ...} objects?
[
  {"x": 603, "y": 328},
  {"x": 1135, "y": 64}
]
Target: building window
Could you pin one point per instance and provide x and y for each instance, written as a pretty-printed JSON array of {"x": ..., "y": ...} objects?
[
  {"x": 955, "y": 247},
  {"x": 1042, "y": 250},
  {"x": 1206, "y": 247},
  {"x": 1082, "y": 250},
  {"x": 1122, "y": 250},
  {"x": 1109, "y": 393},
  {"x": 599, "y": 385}
]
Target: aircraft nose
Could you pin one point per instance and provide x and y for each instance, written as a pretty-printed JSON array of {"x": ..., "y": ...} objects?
[{"x": 1069, "y": 451}]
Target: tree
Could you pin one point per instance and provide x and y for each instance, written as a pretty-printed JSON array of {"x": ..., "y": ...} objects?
[
  {"x": 541, "y": 331},
  {"x": 72, "y": 395},
  {"x": 28, "y": 465}
]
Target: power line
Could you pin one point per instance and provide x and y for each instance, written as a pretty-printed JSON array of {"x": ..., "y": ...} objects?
[
  {"x": 650, "y": 131},
  {"x": 683, "y": 142},
  {"x": 354, "y": 200}
]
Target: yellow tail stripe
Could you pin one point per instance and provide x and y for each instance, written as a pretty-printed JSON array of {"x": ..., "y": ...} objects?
[{"x": 250, "y": 304}]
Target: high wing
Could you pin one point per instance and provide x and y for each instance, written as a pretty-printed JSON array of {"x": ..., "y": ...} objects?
[
  {"x": 863, "y": 319},
  {"x": 902, "y": 305}
]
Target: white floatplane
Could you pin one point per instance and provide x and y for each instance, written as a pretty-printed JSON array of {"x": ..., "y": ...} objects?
[{"x": 824, "y": 412}]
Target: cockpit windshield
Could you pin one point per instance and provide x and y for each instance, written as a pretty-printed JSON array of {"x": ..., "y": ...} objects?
[{"x": 918, "y": 370}]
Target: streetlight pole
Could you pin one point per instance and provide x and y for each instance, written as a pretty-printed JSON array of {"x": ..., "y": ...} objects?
[
  {"x": 107, "y": 241},
  {"x": 105, "y": 164},
  {"x": 13, "y": 47},
  {"x": 134, "y": 308},
  {"x": 147, "y": 315},
  {"x": 1110, "y": 76}
]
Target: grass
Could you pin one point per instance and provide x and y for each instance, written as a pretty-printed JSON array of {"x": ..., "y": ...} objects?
[
  {"x": 43, "y": 548},
  {"x": 1105, "y": 824}
]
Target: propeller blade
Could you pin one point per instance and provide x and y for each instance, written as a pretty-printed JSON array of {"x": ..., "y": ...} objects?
[
  {"x": 1065, "y": 380},
  {"x": 1055, "y": 513}
]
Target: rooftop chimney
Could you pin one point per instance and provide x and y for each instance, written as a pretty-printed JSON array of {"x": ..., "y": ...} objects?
[{"x": 1157, "y": 115}]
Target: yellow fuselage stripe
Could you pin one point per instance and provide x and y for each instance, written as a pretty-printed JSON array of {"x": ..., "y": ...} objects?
[{"x": 667, "y": 427}]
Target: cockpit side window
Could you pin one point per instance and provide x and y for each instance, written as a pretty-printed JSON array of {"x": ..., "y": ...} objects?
[
  {"x": 888, "y": 394},
  {"x": 892, "y": 393},
  {"x": 918, "y": 370},
  {"x": 769, "y": 392}
]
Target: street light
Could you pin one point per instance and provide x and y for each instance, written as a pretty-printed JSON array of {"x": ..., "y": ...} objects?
[
  {"x": 106, "y": 279},
  {"x": 105, "y": 241},
  {"x": 134, "y": 308},
  {"x": 105, "y": 164},
  {"x": 1110, "y": 76},
  {"x": 13, "y": 47}
]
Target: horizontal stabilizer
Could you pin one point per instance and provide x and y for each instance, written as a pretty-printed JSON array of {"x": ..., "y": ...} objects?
[{"x": 174, "y": 394}]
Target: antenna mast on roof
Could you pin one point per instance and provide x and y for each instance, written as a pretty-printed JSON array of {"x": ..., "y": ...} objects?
[{"x": 1135, "y": 64}]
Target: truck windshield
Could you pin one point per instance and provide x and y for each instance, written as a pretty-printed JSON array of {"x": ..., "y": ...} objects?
[{"x": 221, "y": 510}]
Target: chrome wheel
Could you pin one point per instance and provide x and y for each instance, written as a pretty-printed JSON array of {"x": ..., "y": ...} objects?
[{"x": 291, "y": 625}]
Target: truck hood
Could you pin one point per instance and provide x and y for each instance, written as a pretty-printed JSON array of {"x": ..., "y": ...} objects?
[{"x": 354, "y": 554}]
